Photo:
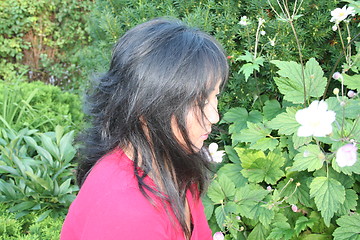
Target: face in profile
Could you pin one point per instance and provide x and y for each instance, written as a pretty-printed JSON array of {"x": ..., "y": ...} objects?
[{"x": 198, "y": 123}]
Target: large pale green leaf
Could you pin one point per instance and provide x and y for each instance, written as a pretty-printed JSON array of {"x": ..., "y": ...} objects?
[
  {"x": 248, "y": 198},
  {"x": 233, "y": 172},
  {"x": 350, "y": 202},
  {"x": 271, "y": 109},
  {"x": 309, "y": 158},
  {"x": 222, "y": 212},
  {"x": 329, "y": 194},
  {"x": 285, "y": 122},
  {"x": 291, "y": 84},
  {"x": 227, "y": 186},
  {"x": 349, "y": 228},
  {"x": 258, "y": 233},
  {"x": 263, "y": 168},
  {"x": 215, "y": 192},
  {"x": 253, "y": 132},
  {"x": 67, "y": 151},
  {"x": 50, "y": 146},
  {"x": 352, "y": 82}
]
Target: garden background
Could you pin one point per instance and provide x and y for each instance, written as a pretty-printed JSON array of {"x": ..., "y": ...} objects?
[{"x": 283, "y": 176}]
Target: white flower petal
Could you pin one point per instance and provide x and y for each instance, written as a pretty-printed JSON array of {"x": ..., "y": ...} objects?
[{"x": 213, "y": 147}]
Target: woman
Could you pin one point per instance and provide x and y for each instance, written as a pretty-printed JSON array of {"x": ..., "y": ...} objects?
[{"x": 144, "y": 168}]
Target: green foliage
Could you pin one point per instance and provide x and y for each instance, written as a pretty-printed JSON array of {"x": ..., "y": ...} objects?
[
  {"x": 28, "y": 228},
  {"x": 37, "y": 171},
  {"x": 37, "y": 105},
  {"x": 288, "y": 184},
  {"x": 41, "y": 38}
]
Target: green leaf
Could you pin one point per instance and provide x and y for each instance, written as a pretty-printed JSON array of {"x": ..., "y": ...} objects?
[
  {"x": 50, "y": 146},
  {"x": 208, "y": 206},
  {"x": 291, "y": 82},
  {"x": 67, "y": 151},
  {"x": 254, "y": 132},
  {"x": 222, "y": 212},
  {"x": 264, "y": 168},
  {"x": 285, "y": 122},
  {"x": 271, "y": 109},
  {"x": 258, "y": 233},
  {"x": 302, "y": 223},
  {"x": 248, "y": 57},
  {"x": 215, "y": 192},
  {"x": 329, "y": 194},
  {"x": 232, "y": 155},
  {"x": 248, "y": 68},
  {"x": 350, "y": 202},
  {"x": 281, "y": 231},
  {"x": 233, "y": 172},
  {"x": 352, "y": 82},
  {"x": 300, "y": 141},
  {"x": 265, "y": 144},
  {"x": 234, "y": 115},
  {"x": 227, "y": 186},
  {"x": 42, "y": 182},
  {"x": 22, "y": 206},
  {"x": 349, "y": 228},
  {"x": 249, "y": 199},
  {"x": 310, "y": 158}
]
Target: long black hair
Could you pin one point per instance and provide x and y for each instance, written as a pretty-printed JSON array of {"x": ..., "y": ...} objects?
[{"x": 159, "y": 71}]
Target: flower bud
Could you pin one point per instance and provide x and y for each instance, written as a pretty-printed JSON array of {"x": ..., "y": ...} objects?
[
  {"x": 346, "y": 155},
  {"x": 238, "y": 218},
  {"x": 218, "y": 236},
  {"x": 334, "y": 28},
  {"x": 294, "y": 208},
  {"x": 262, "y": 32},
  {"x": 336, "y": 91},
  {"x": 337, "y": 75},
  {"x": 351, "y": 94},
  {"x": 268, "y": 188}
]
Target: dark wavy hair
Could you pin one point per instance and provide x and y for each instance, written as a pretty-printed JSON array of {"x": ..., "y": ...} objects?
[{"x": 159, "y": 70}]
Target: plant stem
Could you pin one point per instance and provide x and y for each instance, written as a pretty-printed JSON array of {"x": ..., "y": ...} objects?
[{"x": 301, "y": 59}]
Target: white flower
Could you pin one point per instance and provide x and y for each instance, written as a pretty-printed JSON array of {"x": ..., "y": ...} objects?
[
  {"x": 340, "y": 14},
  {"x": 261, "y": 21},
  {"x": 334, "y": 28},
  {"x": 218, "y": 236},
  {"x": 215, "y": 154},
  {"x": 346, "y": 155},
  {"x": 315, "y": 120},
  {"x": 244, "y": 21},
  {"x": 262, "y": 32}
]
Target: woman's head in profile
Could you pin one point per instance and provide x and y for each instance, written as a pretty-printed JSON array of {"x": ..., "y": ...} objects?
[{"x": 159, "y": 99}]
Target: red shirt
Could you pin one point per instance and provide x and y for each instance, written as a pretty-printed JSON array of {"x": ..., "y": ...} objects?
[{"x": 110, "y": 206}]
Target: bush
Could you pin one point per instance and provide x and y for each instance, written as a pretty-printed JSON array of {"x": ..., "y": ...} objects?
[
  {"x": 39, "y": 39},
  {"x": 37, "y": 173},
  {"x": 28, "y": 228},
  {"x": 38, "y": 106}
]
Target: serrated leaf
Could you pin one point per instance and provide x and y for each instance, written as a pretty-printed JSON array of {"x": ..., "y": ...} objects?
[
  {"x": 281, "y": 231},
  {"x": 302, "y": 223},
  {"x": 350, "y": 202},
  {"x": 235, "y": 114},
  {"x": 263, "y": 168},
  {"x": 248, "y": 68},
  {"x": 215, "y": 192},
  {"x": 248, "y": 57},
  {"x": 233, "y": 172},
  {"x": 232, "y": 155},
  {"x": 285, "y": 122},
  {"x": 208, "y": 206},
  {"x": 309, "y": 158},
  {"x": 349, "y": 228},
  {"x": 265, "y": 144},
  {"x": 329, "y": 194},
  {"x": 253, "y": 132},
  {"x": 258, "y": 233},
  {"x": 222, "y": 212},
  {"x": 271, "y": 109},
  {"x": 291, "y": 82},
  {"x": 227, "y": 186},
  {"x": 300, "y": 141},
  {"x": 301, "y": 195},
  {"x": 352, "y": 82}
]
